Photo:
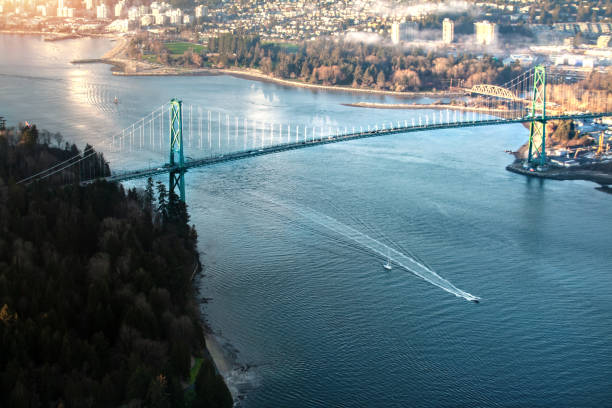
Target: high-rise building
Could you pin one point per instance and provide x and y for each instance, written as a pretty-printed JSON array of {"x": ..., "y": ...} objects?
[
  {"x": 403, "y": 31},
  {"x": 160, "y": 19},
  {"x": 102, "y": 11},
  {"x": 395, "y": 35},
  {"x": 201, "y": 10},
  {"x": 176, "y": 16},
  {"x": 89, "y": 4},
  {"x": 119, "y": 7},
  {"x": 448, "y": 31},
  {"x": 485, "y": 32}
]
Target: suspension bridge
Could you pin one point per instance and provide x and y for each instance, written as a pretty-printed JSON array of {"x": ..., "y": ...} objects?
[{"x": 200, "y": 137}]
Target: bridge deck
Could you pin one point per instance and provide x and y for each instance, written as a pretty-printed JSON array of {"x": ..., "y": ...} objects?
[{"x": 141, "y": 173}]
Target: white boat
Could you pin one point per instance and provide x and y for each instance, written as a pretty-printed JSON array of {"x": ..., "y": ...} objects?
[
  {"x": 116, "y": 101},
  {"x": 388, "y": 266}
]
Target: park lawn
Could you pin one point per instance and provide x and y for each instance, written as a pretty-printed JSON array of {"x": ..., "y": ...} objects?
[
  {"x": 179, "y": 48},
  {"x": 289, "y": 47},
  {"x": 150, "y": 58}
]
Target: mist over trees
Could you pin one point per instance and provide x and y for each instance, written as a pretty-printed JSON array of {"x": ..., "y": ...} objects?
[{"x": 329, "y": 62}]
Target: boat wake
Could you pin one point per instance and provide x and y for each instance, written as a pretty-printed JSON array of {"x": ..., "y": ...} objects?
[{"x": 408, "y": 263}]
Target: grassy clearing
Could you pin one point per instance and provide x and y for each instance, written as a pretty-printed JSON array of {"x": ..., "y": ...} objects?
[
  {"x": 195, "y": 369},
  {"x": 289, "y": 47},
  {"x": 178, "y": 48},
  {"x": 150, "y": 58},
  {"x": 190, "y": 390}
]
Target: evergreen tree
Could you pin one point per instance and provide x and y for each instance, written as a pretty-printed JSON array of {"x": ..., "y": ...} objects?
[{"x": 162, "y": 200}]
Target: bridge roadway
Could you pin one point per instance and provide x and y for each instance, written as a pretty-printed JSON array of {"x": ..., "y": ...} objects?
[{"x": 141, "y": 173}]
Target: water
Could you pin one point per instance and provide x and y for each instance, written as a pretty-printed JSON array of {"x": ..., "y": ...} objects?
[{"x": 312, "y": 310}]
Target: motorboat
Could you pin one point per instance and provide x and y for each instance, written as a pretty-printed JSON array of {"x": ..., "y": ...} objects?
[{"x": 388, "y": 265}]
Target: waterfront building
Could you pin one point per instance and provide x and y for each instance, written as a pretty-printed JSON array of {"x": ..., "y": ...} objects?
[
  {"x": 160, "y": 19},
  {"x": 156, "y": 8},
  {"x": 485, "y": 32},
  {"x": 201, "y": 11},
  {"x": 102, "y": 12},
  {"x": 147, "y": 20},
  {"x": 448, "y": 31},
  {"x": 65, "y": 12},
  {"x": 133, "y": 13},
  {"x": 176, "y": 16},
  {"x": 119, "y": 25},
  {"x": 119, "y": 8},
  {"x": 41, "y": 10},
  {"x": 603, "y": 41},
  {"x": 187, "y": 19}
]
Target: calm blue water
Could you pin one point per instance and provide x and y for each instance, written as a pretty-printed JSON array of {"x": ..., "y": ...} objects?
[{"x": 314, "y": 315}]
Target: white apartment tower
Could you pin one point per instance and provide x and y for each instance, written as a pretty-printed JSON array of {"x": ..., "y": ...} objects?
[
  {"x": 403, "y": 31},
  {"x": 485, "y": 32},
  {"x": 201, "y": 11},
  {"x": 448, "y": 31},
  {"x": 119, "y": 8},
  {"x": 102, "y": 11}
]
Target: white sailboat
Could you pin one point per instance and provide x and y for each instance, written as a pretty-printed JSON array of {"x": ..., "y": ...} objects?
[{"x": 388, "y": 266}]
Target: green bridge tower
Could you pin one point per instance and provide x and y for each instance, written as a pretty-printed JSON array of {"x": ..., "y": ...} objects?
[
  {"x": 177, "y": 174},
  {"x": 537, "y": 130}
]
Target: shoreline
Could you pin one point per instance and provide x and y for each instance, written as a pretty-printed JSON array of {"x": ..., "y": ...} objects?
[
  {"x": 150, "y": 70},
  {"x": 256, "y": 75},
  {"x": 55, "y": 36},
  {"x": 373, "y": 105},
  {"x": 130, "y": 67},
  {"x": 599, "y": 177}
]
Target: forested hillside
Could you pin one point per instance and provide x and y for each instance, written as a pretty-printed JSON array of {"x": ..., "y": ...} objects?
[
  {"x": 96, "y": 302},
  {"x": 329, "y": 62}
]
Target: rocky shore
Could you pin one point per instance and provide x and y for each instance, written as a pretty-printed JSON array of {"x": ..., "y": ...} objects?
[
  {"x": 373, "y": 105},
  {"x": 600, "y": 173}
]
